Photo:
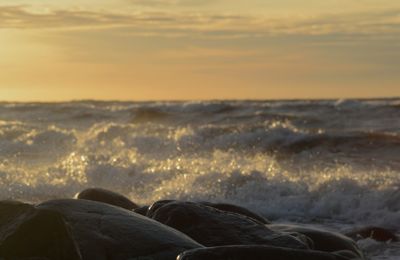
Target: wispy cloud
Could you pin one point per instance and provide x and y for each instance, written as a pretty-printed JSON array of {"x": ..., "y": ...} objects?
[
  {"x": 89, "y": 46},
  {"x": 213, "y": 25},
  {"x": 171, "y": 2}
]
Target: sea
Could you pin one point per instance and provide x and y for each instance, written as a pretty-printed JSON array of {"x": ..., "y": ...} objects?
[{"x": 333, "y": 164}]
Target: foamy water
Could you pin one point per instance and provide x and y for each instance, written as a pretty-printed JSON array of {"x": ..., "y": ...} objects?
[{"x": 329, "y": 163}]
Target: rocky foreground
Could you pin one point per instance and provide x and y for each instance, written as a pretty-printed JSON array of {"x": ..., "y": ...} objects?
[{"x": 103, "y": 225}]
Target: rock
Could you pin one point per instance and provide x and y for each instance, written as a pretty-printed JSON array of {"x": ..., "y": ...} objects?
[
  {"x": 347, "y": 254},
  {"x": 238, "y": 210},
  {"x": 376, "y": 233},
  {"x": 156, "y": 205},
  {"x": 142, "y": 210},
  {"x": 221, "y": 206},
  {"x": 106, "y": 196},
  {"x": 257, "y": 253},
  {"x": 33, "y": 258},
  {"x": 322, "y": 240},
  {"x": 213, "y": 227},
  {"x": 105, "y": 232},
  {"x": 29, "y": 233}
]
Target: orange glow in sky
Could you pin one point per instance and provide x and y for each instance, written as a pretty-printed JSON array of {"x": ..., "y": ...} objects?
[{"x": 198, "y": 49}]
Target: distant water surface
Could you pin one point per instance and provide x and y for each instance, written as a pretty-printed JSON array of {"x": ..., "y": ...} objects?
[{"x": 334, "y": 163}]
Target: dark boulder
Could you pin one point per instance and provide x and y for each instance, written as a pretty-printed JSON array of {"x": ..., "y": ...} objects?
[
  {"x": 257, "y": 253},
  {"x": 376, "y": 233},
  {"x": 212, "y": 227},
  {"x": 322, "y": 240},
  {"x": 237, "y": 209},
  {"x": 348, "y": 254},
  {"x": 29, "y": 233},
  {"x": 142, "y": 210},
  {"x": 105, "y": 232},
  {"x": 155, "y": 206},
  {"x": 106, "y": 196},
  {"x": 221, "y": 206}
]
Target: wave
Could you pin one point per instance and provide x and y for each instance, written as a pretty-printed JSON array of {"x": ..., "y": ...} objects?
[
  {"x": 21, "y": 142},
  {"x": 148, "y": 114},
  {"x": 342, "y": 195},
  {"x": 307, "y": 161},
  {"x": 356, "y": 141}
]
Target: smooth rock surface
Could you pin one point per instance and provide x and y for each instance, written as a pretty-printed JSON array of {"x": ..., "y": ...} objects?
[
  {"x": 29, "y": 233},
  {"x": 257, "y": 253},
  {"x": 155, "y": 206},
  {"x": 220, "y": 206},
  {"x": 237, "y": 209},
  {"x": 322, "y": 240},
  {"x": 213, "y": 227},
  {"x": 107, "y": 196},
  {"x": 142, "y": 210},
  {"x": 105, "y": 232}
]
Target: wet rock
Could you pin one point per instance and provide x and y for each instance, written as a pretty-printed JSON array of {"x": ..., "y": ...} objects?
[
  {"x": 322, "y": 240},
  {"x": 257, "y": 253},
  {"x": 212, "y": 227},
  {"x": 347, "y": 254},
  {"x": 376, "y": 233},
  {"x": 104, "y": 232},
  {"x": 142, "y": 210},
  {"x": 29, "y": 233},
  {"x": 221, "y": 206},
  {"x": 33, "y": 258},
  {"x": 156, "y": 205},
  {"x": 238, "y": 210},
  {"x": 106, "y": 196}
]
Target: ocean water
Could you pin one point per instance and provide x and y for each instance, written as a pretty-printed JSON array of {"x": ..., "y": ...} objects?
[{"x": 328, "y": 163}]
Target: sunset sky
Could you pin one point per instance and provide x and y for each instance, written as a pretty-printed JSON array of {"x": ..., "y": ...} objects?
[{"x": 198, "y": 49}]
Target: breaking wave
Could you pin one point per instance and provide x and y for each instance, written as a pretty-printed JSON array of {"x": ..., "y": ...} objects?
[{"x": 301, "y": 161}]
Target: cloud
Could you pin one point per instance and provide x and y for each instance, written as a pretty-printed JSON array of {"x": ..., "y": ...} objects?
[
  {"x": 183, "y": 48},
  {"x": 158, "y": 3},
  {"x": 20, "y": 17},
  {"x": 178, "y": 24}
]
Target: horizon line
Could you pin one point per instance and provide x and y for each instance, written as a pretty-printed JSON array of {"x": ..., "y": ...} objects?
[{"x": 200, "y": 100}]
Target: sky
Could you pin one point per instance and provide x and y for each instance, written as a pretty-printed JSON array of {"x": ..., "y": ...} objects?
[{"x": 198, "y": 49}]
